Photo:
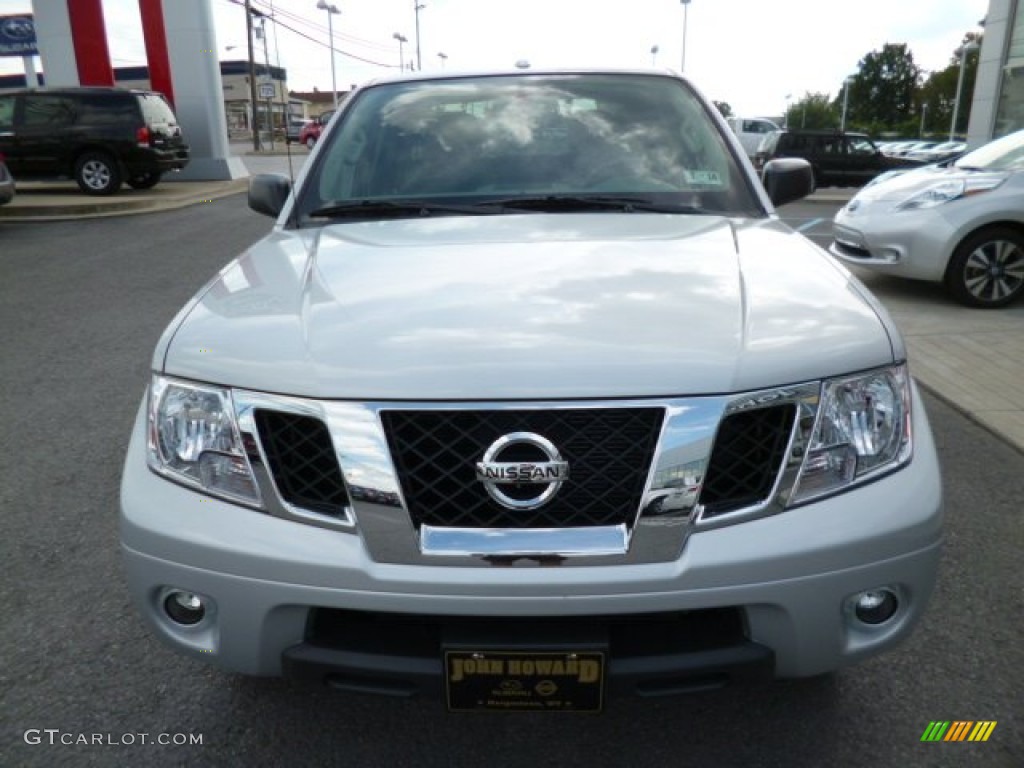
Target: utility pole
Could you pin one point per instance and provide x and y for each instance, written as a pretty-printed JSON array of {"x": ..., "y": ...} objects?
[
  {"x": 418, "y": 6},
  {"x": 270, "y": 77},
  {"x": 252, "y": 79},
  {"x": 686, "y": 8}
]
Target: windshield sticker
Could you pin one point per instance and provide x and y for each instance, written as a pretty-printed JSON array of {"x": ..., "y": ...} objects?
[{"x": 709, "y": 178}]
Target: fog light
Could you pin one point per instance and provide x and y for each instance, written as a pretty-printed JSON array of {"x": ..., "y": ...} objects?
[
  {"x": 184, "y": 607},
  {"x": 875, "y": 606}
]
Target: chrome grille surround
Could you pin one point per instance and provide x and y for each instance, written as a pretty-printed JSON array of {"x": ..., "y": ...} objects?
[{"x": 669, "y": 512}]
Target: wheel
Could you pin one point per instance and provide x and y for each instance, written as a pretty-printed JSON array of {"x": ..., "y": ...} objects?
[
  {"x": 97, "y": 174},
  {"x": 310, "y": 143},
  {"x": 145, "y": 181},
  {"x": 987, "y": 269}
]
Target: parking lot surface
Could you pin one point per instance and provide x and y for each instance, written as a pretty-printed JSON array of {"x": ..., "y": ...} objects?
[{"x": 83, "y": 303}]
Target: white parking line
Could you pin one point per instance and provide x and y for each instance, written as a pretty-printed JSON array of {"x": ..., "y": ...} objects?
[{"x": 808, "y": 225}]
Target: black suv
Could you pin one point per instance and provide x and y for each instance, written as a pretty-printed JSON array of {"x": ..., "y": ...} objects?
[
  {"x": 100, "y": 137},
  {"x": 838, "y": 159}
]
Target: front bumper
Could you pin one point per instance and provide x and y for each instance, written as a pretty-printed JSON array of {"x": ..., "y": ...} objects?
[
  {"x": 789, "y": 577},
  {"x": 911, "y": 244}
]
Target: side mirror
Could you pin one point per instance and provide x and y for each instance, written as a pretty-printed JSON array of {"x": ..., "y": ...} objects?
[
  {"x": 268, "y": 192},
  {"x": 787, "y": 179}
]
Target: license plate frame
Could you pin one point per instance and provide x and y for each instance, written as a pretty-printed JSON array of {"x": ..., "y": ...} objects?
[{"x": 549, "y": 680}]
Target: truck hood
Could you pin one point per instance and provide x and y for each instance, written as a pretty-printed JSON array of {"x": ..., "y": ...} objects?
[{"x": 535, "y": 306}]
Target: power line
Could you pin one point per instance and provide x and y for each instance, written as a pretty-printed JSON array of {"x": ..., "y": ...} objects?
[
  {"x": 303, "y": 21},
  {"x": 325, "y": 45}
]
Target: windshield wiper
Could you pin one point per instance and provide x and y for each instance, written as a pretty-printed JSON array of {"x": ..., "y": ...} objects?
[
  {"x": 395, "y": 208},
  {"x": 574, "y": 203},
  {"x": 544, "y": 203}
]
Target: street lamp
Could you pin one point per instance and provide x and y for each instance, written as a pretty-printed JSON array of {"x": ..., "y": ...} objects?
[
  {"x": 402, "y": 40},
  {"x": 443, "y": 57},
  {"x": 417, "y": 7},
  {"x": 331, "y": 9},
  {"x": 846, "y": 101},
  {"x": 654, "y": 55},
  {"x": 785, "y": 117},
  {"x": 968, "y": 47},
  {"x": 686, "y": 6},
  {"x": 924, "y": 111}
]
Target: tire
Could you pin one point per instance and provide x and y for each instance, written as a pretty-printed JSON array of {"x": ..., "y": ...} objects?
[
  {"x": 987, "y": 268},
  {"x": 145, "y": 181},
  {"x": 97, "y": 174},
  {"x": 310, "y": 143}
]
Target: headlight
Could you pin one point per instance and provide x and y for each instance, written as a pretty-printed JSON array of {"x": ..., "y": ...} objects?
[
  {"x": 862, "y": 429},
  {"x": 193, "y": 438},
  {"x": 946, "y": 191}
]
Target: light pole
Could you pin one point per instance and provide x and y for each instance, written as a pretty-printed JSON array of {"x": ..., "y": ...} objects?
[
  {"x": 785, "y": 117},
  {"x": 968, "y": 47},
  {"x": 924, "y": 111},
  {"x": 332, "y": 10},
  {"x": 846, "y": 101},
  {"x": 417, "y": 6},
  {"x": 402, "y": 40},
  {"x": 654, "y": 55},
  {"x": 686, "y": 7},
  {"x": 443, "y": 57}
]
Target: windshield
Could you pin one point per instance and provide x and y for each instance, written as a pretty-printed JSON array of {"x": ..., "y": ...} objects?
[
  {"x": 644, "y": 139},
  {"x": 1005, "y": 154}
]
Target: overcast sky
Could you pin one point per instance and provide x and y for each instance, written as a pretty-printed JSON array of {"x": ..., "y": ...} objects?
[{"x": 749, "y": 53}]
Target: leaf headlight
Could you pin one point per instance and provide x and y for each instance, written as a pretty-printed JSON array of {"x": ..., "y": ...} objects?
[
  {"x": 947, "y": 191},
  {"x": 862, "y": 429},
  {"x": 193, "y": 438}
]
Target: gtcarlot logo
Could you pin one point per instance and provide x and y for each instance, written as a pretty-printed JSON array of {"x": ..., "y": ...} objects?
[{"x": 55, "y": 736}]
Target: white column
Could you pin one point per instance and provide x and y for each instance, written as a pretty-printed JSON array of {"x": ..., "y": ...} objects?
[
  {"x": 198, "y": 92},
  {"x": 31, "y": 78},
  {"x": 53, "y": 38}
]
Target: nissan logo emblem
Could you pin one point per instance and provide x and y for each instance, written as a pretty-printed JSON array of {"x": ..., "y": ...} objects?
[{"x": 547, "y": 475}]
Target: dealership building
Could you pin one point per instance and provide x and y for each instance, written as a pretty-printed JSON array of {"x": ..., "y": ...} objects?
[{"x": 998, "y": 105}]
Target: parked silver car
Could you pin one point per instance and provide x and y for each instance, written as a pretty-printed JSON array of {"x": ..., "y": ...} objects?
[
  {"x": 530, "y": 398},
  {"x": 961, "y": 224}
]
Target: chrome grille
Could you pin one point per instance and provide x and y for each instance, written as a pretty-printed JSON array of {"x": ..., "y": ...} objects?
[
  {"x": 609, "y": 451},
  {"x": 748, "y": 453}
]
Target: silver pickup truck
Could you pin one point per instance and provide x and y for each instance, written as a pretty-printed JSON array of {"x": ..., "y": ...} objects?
[{"x": 527, "y": 400}]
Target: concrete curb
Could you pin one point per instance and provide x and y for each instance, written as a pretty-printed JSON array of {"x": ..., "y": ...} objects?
[{"x": 38, "y": 201}]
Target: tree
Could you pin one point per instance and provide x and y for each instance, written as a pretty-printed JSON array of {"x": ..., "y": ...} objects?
[
  {"x": 813, "y": 111},
  {"x": 723, "y": 107},
  {"x": 938, "y": 92},
  {"x": 882, "y": 93}
]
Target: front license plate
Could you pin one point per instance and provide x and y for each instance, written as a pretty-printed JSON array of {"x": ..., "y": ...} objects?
[{"x": 525, "y": 681}]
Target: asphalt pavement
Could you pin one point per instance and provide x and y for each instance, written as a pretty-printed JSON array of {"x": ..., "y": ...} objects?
[
  {"x": 83, "y": 682},
  {"x": 971, "y": 358}
]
